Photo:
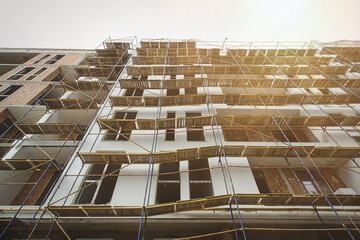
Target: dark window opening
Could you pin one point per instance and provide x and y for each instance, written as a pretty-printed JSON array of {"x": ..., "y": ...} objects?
[
  {"x": 40, "y": 59},
  {"x": 132, "y": 92},
  {"x": 54, "y": 59},
  {"x": 170, "y": 133},
  {"x": 99, "y": 191},
  {"x": 122, "y": 134},
  {"x": 35, "y": 74},
  {"x": 261, "y": 181},
  {"x": 21, "y": 73},
  {"x": 168, "y": 185},
  {"x": 172, "y": 92},
  {"x": 200, "y": 179},
  {"x": 8, "y": 91},
  {"x": 195, "y": 134}
]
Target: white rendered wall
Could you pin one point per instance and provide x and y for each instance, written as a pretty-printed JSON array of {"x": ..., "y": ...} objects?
[
  {"x": 130, "y": 190},
  {"x": 350, "y": 178}
]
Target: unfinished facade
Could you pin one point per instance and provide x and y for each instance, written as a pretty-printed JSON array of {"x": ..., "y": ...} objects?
[{"x": 181, "y": 139}]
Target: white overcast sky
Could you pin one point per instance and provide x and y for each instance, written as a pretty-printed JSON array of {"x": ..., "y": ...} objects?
[{"x": 86, "y": 23}]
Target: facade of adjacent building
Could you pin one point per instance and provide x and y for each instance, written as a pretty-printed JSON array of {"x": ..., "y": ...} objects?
[{"x": 181, "y": 139}]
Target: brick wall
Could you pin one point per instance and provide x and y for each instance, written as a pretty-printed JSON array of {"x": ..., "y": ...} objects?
[
  {"x": 294, "y": 183},
  {"x": 26, "y": 95},
  {"x": 68, "y": 59},
  {"x": 274, "y": 181},
  {"x": 40, "y": 189},
  {"x": 52, "y": 69},
  {"x": 333, "y": 180}
]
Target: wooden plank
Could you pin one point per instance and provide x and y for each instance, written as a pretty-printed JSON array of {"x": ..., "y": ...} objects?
[
  {"x": 153, "y": 210},
  {"x": 278, "y": 200},
  {"x": 99, "y": 211},
  {"x": 214, "y": 151}
]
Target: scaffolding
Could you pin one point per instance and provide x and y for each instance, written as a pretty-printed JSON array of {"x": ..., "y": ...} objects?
[{"x": 247, "y": 74}]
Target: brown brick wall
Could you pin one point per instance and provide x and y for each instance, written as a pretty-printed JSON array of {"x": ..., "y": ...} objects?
[
  {"x": 333, "y": 180},
  {"x": 68, "y": 59},
  {"x": 27, "y": 94},
  {"x": 295, "y": 185},
  {"x": 31, "y": 60},
  {"x": 277, "y": 185},
  {"x": 274, "y": 181},
  {"x": 51, "y": 72},
  {"x": 47, "y": 75},
  {"x": 38, "y": 191},
  {"x": 17, "y": 69}
]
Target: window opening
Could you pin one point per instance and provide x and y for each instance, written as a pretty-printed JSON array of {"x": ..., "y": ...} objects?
[
  {"x": 54, "y": 59},
  {"x": 172, "y": 92},
  {"x": 132, "y": 92},
  {"x": 261, "y": 181},
  {"x": 122, "y": 134},
  {"x": 101, "y": 191},
  {"x": 35, "y": 74},
  {"x": 195, "y": 134},
  {"x": 8, "y": 91},
  {"x": 21, "y": 73},
  {"x": 170, "y": 133},
  {"x": 168, "y": 185},
  {"x": 42, "y": 58},
  {"x": 200, "y": 180}
]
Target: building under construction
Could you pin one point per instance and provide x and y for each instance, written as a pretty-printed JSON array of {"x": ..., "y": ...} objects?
[{"x": 181, "y": 139}]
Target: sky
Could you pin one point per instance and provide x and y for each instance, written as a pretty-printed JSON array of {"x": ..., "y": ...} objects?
[{"x": 86, "y": 23}]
